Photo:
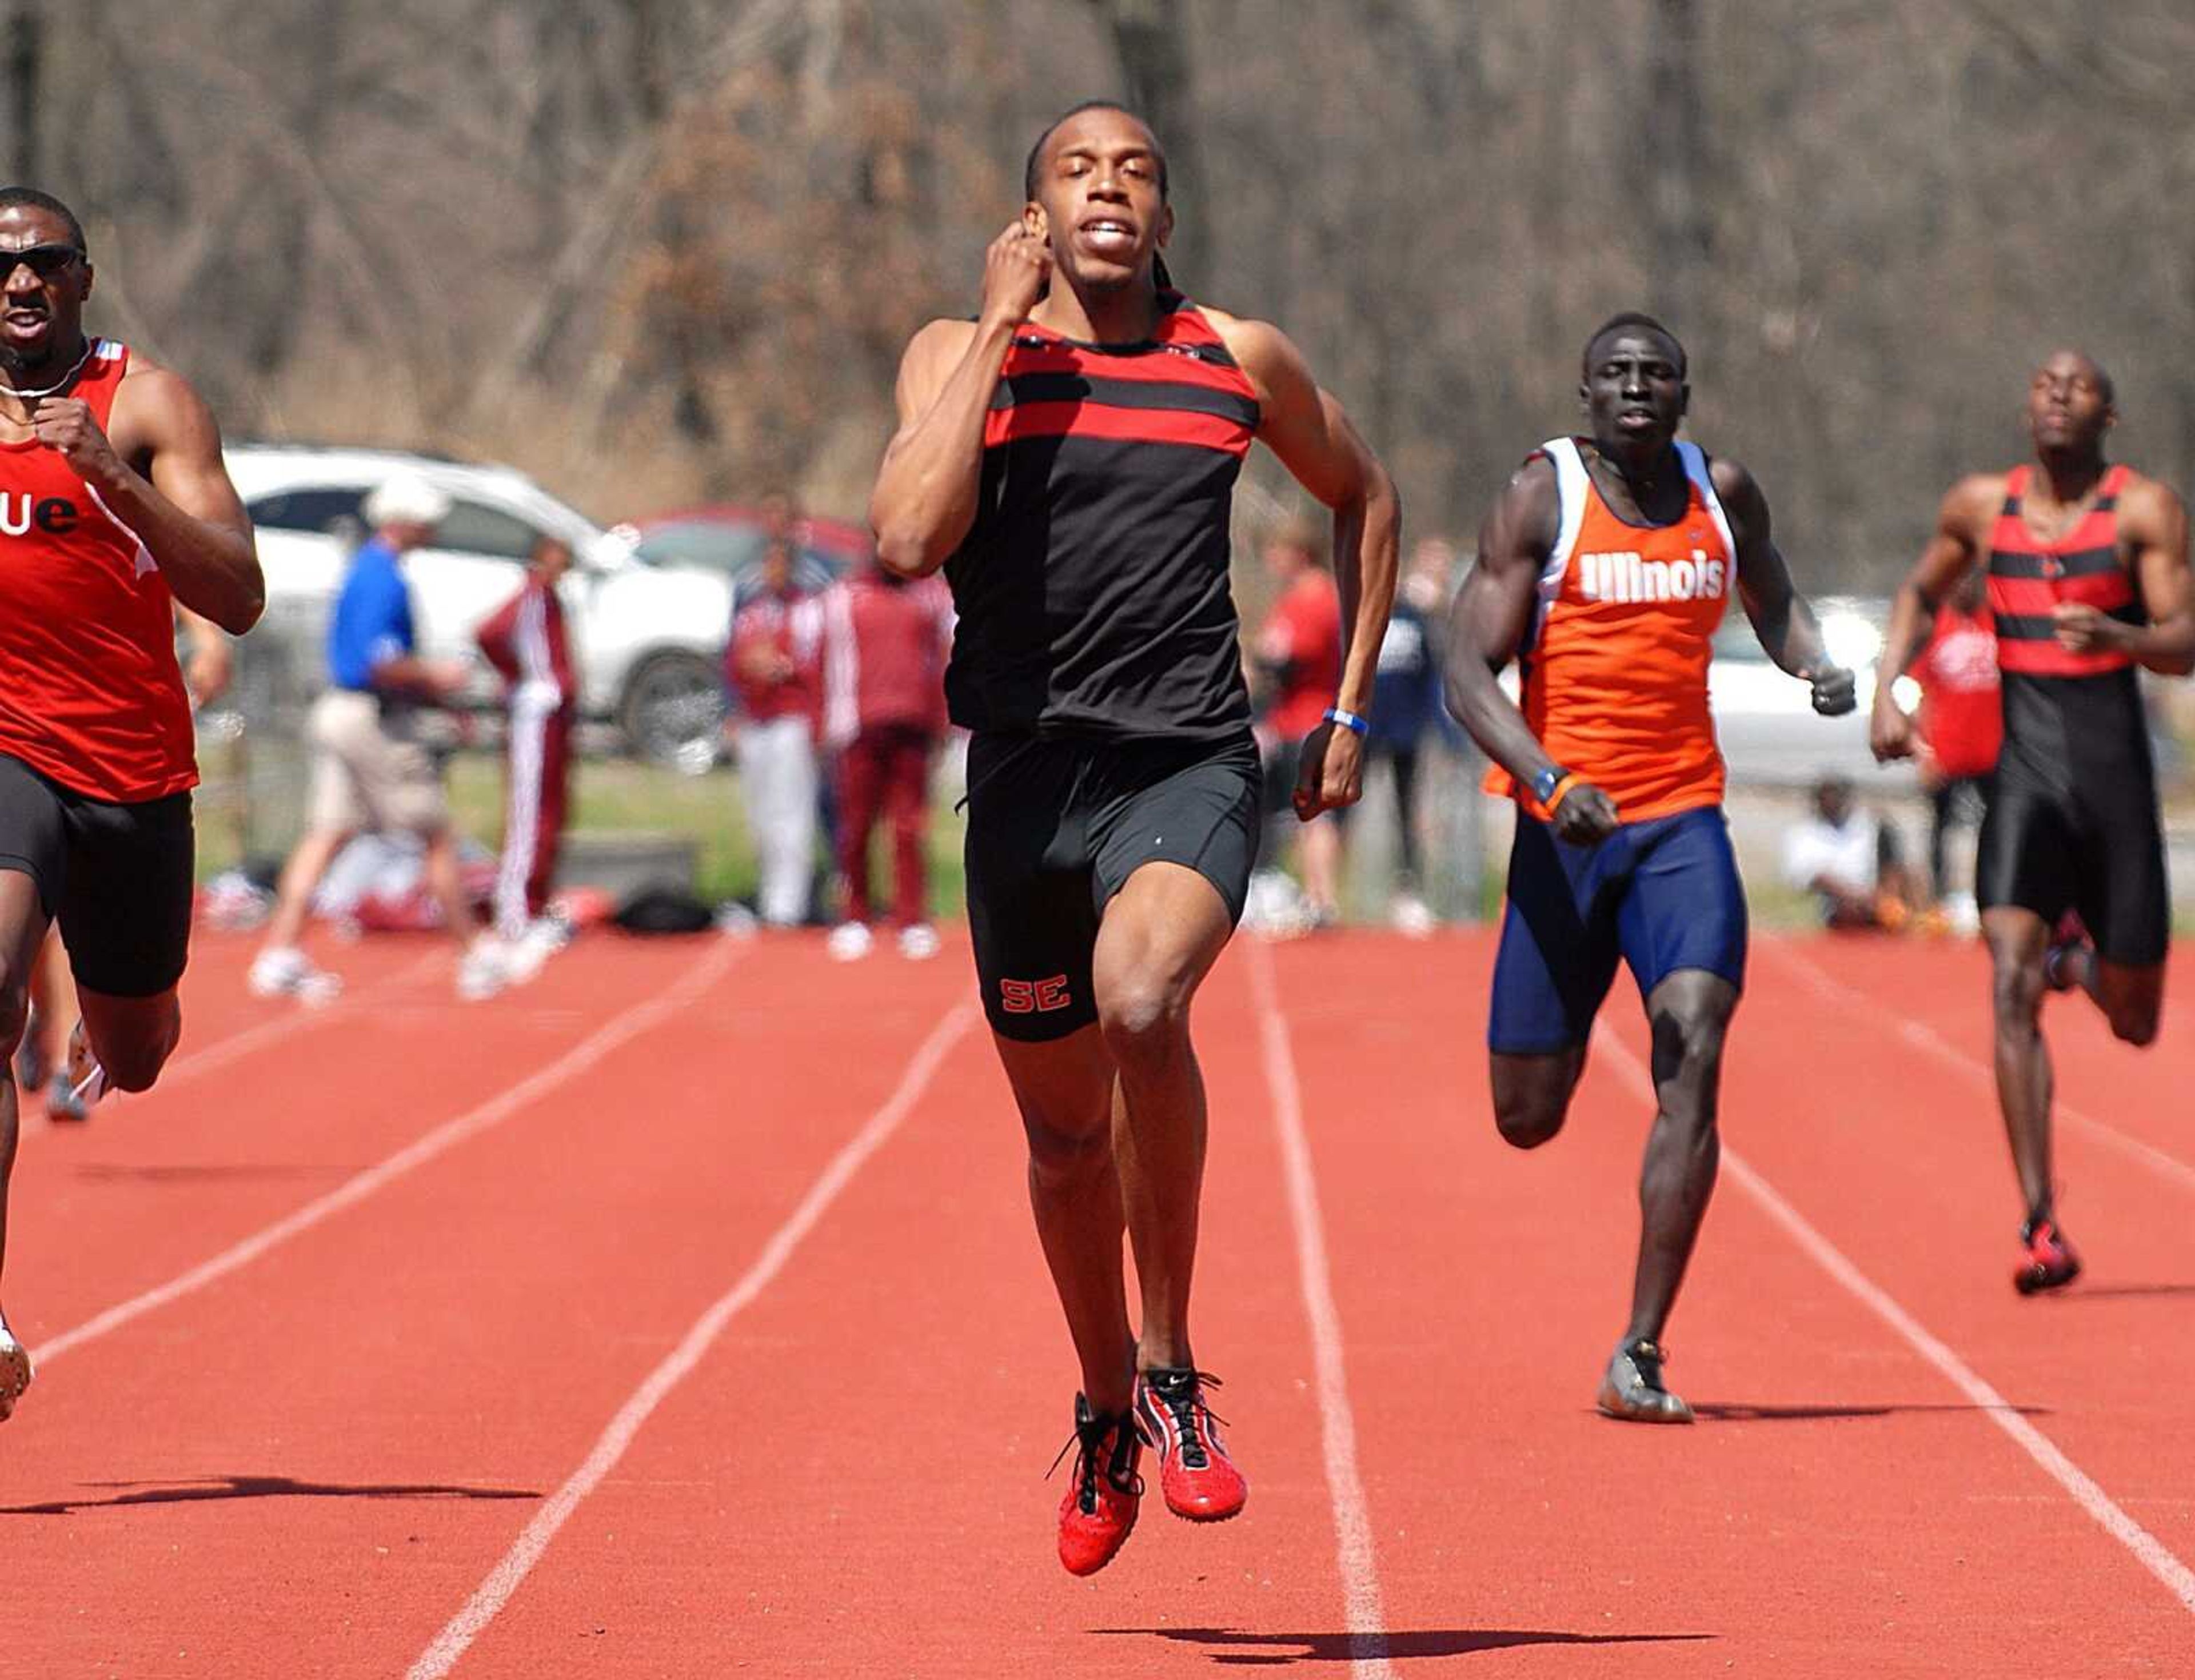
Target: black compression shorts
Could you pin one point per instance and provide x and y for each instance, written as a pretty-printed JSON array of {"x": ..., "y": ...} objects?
[
  {"x": 116, "y": 878},
  {"x": 2049, "y": 851},
  {"x": 1055, "y": 826}
]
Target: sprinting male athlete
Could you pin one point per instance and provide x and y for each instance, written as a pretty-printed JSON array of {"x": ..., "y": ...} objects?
[
  {"x": 1069, "y": 458},
  {"x": 1604, "y": 570},
  {"x": 114, "y": 505},
  {"x": 2088, "y": 580}
]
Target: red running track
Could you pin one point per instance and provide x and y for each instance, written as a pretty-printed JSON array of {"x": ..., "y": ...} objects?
[{"x": 680, "y": 1315}]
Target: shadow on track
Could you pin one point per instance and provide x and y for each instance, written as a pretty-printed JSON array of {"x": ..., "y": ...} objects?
[
  {"x": 1237, "y": 1646},
  {"x": 2120, "y": 1292},
  {"x": 1737, "y": 1412},
  {"x": 109, "y": 1172},
  {"x": 257, "y": 1488}
]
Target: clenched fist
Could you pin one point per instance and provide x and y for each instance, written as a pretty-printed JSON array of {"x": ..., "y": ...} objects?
[
  {"x": 1017, "y": 270},
  {"x": 67, "y": 425}
]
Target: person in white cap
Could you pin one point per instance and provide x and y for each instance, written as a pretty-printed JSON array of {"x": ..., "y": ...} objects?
[{"x": 369, "y": 767}]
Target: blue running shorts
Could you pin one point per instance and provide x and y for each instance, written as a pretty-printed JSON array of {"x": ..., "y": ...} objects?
[{"x": 1662, "y": 895}]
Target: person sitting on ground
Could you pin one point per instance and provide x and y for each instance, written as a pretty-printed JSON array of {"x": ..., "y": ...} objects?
[
  {"x": 1848, "y": 859},
  {"x": 370, "y": 769}
]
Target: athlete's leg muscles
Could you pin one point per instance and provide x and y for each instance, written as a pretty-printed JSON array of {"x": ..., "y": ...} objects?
[
  {"x": 133, "y": 1038},
  {"x": 22, "y": 927},
  {"x": 1160, "y": 935},
  {"x": 1532, "y": 1093},
  {"x": 1064, "y": 1088},
  {"x": 1689, "y": 1013},
  {"x": 2131, "y": 996},
  {"x": 2017, "y": 941}
]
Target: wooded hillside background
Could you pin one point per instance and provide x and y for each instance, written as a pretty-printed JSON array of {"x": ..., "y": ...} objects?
[{"x": 656, "y": 250}]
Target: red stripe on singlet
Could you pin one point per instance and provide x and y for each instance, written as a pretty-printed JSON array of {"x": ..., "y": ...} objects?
[
  {"x": 1161, "y": 367},
  {"x": 2048, "y": 658},
  {"x": 1122, "y": 425},
  {"x": 2034, "y": 597}
]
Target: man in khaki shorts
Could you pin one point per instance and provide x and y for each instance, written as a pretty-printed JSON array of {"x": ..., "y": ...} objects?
[{"x": 370, "y": 769}]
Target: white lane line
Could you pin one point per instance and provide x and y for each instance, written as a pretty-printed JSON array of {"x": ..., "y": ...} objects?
[
  {"x": 504, "y": 1580},
  {"x": 1363, "y": 1602},
  {"x": 2178, "y": 1580},
  {"x": 1977, "y": 1072},
  {"x": 618, "y": 1031}
]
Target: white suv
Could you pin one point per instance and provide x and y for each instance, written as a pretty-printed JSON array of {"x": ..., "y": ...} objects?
[{"x": 648, "y": 639}]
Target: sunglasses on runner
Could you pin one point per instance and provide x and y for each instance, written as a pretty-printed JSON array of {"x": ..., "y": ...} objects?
[{"x": 44, "y": 260}]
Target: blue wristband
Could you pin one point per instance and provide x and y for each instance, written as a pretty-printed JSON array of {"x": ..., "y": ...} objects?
[{"x": 1347, "y": 719}]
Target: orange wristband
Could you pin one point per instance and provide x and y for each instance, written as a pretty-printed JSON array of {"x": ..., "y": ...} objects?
[{"x": 1562, "y": 792}]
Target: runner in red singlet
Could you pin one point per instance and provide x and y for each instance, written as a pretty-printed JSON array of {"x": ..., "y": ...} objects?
[
  {"x": 114, "y": 505},
  {"x": 2088, "y": 580}
]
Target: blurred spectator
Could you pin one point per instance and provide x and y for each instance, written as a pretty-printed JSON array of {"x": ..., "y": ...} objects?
[
  {"x": 885, "y": 643},
  {"x": 774, "y": 666},
  {"x": 370, "y": 769},
  {"x": 526, "y": 642},
  {"x": 1962, "y": 726},
  {"x": 1298, "y": 655},
  {"x": 1849, "y": 860},
  {"x": 1406, "y": 699}
]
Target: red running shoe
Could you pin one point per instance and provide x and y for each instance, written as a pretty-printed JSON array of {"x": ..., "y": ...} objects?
[
  {"x": 2048, "y": 1260},
  {"x": 1099, "y": 1511},
  {"x": 1199, "y": 1480}
]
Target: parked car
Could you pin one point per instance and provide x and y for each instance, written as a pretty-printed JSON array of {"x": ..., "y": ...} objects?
[
  {"x": 727, "y": 537},
  {"x": 648, "y": 637},
  {"x": 1765, "y": 720}
]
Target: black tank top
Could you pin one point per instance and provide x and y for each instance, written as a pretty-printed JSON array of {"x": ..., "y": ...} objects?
[
  {"x": 2073, "y": 722},
  {"x": 1092, "y": 590}
]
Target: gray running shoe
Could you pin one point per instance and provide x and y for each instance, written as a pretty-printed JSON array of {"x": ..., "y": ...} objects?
[{"x": 1632, "y": 1389}]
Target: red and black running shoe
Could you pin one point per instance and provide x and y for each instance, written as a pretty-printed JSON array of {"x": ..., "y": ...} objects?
[
  {"x": 2047, "y": 1260},
  {"x": 1199, "y": 1480},
  {"x": 1099, "y": 1511}
]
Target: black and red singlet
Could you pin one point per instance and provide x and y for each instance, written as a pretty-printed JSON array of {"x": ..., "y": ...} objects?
[{"x": 1092, "y": 590}]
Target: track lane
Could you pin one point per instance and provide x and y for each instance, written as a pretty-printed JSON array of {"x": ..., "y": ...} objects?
[
  {"x": 1840, "y": 1509},
  {"x": 851, "y": 1483},
  {"x": 290, "y": 1472}
]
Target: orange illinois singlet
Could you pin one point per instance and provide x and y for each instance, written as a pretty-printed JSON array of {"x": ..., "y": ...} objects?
[{"x": 1615, "y": 666}]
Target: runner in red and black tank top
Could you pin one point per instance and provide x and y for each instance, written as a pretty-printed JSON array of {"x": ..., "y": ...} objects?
[
  {"x": 1092, "y": 588},
  {"x": 2073, "y": 722},
  {"x": 2088, "y": 576},
  {"x": 1068, "y": 457}
]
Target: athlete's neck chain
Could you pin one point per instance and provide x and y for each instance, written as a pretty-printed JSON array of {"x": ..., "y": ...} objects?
[{"x": 36, "y": 394}]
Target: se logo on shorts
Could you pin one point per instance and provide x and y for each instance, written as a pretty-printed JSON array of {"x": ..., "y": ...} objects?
[{"x": 1034, "y": 997}]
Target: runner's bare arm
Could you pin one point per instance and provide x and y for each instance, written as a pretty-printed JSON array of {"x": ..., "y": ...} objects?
[
  {"x": 1951, "y": 551},
  {"x": 1307, "y": 431},
  {"x": 1781, "y": 617},
  {"x": 924, "y": 500},
  {"x": 2155, "y": 523},
  {"x": 1486, "y": 628},
  {"x": 182, "y": 506}
]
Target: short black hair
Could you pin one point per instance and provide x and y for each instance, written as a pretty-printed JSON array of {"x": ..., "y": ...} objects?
[
  {"x": 31, "y": 198},
  {"x": 1035, "y": 163},
  {"x": 1646, "y": 323}
]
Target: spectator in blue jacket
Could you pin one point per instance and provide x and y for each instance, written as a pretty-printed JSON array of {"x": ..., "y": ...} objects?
[{"x": 1406, "y": 701}]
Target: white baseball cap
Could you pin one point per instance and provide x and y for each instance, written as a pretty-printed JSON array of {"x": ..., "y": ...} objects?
[{"x": 406, "y": 499}]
